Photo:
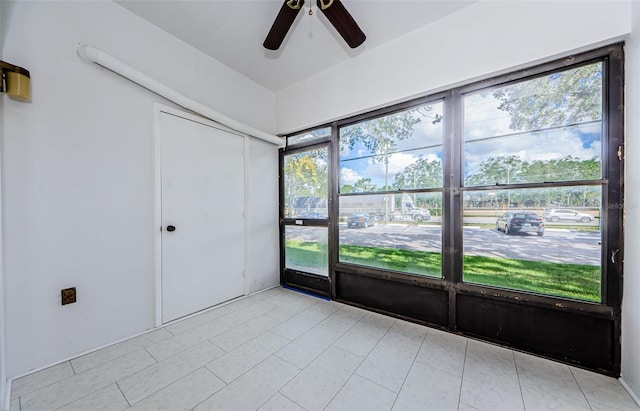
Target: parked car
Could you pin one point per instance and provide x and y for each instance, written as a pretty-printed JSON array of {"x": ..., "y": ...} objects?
[
  {"x": 567, "y": 214},
  {"x": 513, "y": 222},
  {"x": 361, "y": 220}
]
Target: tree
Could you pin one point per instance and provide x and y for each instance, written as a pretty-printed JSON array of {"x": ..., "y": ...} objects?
[
  {"x": 364, "y": 185},
  {"x": 562, "y": 98},
  {"x": 498, "y": 170},
  {"x": 505, "y": 170},
  {"x": 565, "y": 168},
  {"x": 346, "y": 188},
  {"x": 422, "y": 174},
  {"x": 381, "y": 135},
  {"x": 305, "y": 176}
]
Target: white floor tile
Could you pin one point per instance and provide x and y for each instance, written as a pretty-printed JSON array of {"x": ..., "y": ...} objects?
[
  {"x": 107, "y": 399},
  {"x": 365, "y": 334},
  {"x": 361, "y": 394},
  {"x": 190, "y": 338},
  {"x": 482, "y": 358},
  {"x": 488, "y": 395},
  {"x": 245, "y": 302},
  {"x": 40, "y": 379},
  {"x": 327, "y": 307},
  {"x": 144, "y": 383},
  {"x": 259, "y": 296},
  {"x": 603, "y": 390},
  {"x": 535, "y": 400},
  {"x": 95, "y": 358},
  {"x": 235, "y": 363},
  {"x": 549, "y": 378},
  {"x": 317, "y": 384},
  {"x": 73, "y": 388},
  {"x": 290, "y": 351},
  {"x": 181, "y": 326},
  {"x": 304, "y": 349},
  {"x": 443, "y": 351},
  {"x": 344, "y": 318},
  {"x": 465, "y": 407},
  {"x": 245, "y": 314},
  {"x": 427, "y": 387},
  {"x": 597, "y": 406},
  {"x": 253, "y": 389},
  {"x": 183, "y": 394},
  {"x": 294, "y": 305},
  {"x": 389, "y": 362},
  {"x": 303, "y": 322},
  {"x": 239, "y": 335},
  {"x": 490, "y": 380},
  {"x": 284, "y": 297},
  {"x": 280, "y": 403}
]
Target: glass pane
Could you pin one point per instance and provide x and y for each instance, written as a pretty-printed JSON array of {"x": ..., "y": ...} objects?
[
  {"x": 319, "y": 134},
  {"x": 306, "y": 249},
  {"x": 306, "y": 184},
  {"x": 399, "y": 151},
  {"x": 541, "y": 130},
  {"x": 400, "y": 232},
  {"x": 548, "y": 242}
]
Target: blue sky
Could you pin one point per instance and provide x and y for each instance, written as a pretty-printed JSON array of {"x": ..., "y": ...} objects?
[{"x": 483, "y": 122}]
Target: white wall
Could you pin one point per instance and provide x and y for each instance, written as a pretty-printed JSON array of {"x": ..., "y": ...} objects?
[
  {"x": 263, "y": 200},
  {"x": 631, "y": 298},
  {"x": 486, "y": 37},
  {"x": 3, "y": 375},
  {"x": 78, "y": 175}
]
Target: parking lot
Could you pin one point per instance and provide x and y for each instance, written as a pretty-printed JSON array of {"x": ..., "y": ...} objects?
[{"x": 557, "y": 245}]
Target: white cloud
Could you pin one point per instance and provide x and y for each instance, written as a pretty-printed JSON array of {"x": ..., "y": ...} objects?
[
  {"x": 397, "y": 163},
  {"x": 348, "y": 176},
  {"x": 540, "y": 146}
]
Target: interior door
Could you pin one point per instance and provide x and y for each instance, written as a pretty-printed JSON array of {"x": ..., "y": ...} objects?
[{"x": 203, "y": 227}]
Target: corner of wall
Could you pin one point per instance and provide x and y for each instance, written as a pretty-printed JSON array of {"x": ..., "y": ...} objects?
[
  {"x": 4, "y": 394},
  {"x": 630, "y": 378}
]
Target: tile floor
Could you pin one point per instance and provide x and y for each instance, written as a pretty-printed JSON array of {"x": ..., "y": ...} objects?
[{"x": 283, "y": 350}]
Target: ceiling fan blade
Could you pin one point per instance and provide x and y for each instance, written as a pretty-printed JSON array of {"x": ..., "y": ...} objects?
[
  {"x": 282, "y": 23},
  {"x": 338, "y": 15}
]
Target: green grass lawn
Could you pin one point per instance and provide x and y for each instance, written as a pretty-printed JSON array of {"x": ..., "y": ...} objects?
[{"x": 576, "y": 281}]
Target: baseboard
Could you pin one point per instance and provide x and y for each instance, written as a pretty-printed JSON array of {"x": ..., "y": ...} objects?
[{"x": 630, "y": 391}]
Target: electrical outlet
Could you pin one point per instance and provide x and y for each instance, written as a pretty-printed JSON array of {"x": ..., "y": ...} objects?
[{"x": 68, "y": 295}]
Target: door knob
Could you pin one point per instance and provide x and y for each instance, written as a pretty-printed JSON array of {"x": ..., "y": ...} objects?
[{"x": 171, "y": 228}]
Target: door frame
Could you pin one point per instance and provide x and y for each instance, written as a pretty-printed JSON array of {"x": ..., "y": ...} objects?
[
  {"x": 160, "y": 109},
  {"x": 308, "y": 282}
]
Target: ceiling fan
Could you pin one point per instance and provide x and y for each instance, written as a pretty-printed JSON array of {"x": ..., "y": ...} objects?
[{"x": 333, "y": 10}]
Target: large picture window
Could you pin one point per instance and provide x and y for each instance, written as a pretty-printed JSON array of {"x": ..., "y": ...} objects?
[
  {"x": 493, "y": 209},
  {"x": 547, "y": 130},
  {"x": 390, "y": 186}
]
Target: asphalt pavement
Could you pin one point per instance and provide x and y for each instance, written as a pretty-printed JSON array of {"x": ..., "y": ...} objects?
[{"x": 557, "y": 245}]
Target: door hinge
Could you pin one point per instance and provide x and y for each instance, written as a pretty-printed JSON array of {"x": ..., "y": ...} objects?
[{"x": 620, "y": 153}]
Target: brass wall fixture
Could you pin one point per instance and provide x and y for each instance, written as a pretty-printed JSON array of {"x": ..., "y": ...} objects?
[{"x": 15, "y": 81}]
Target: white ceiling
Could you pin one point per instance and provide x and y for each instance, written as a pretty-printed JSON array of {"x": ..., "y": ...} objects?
[{"x": 232, "y": 32}]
